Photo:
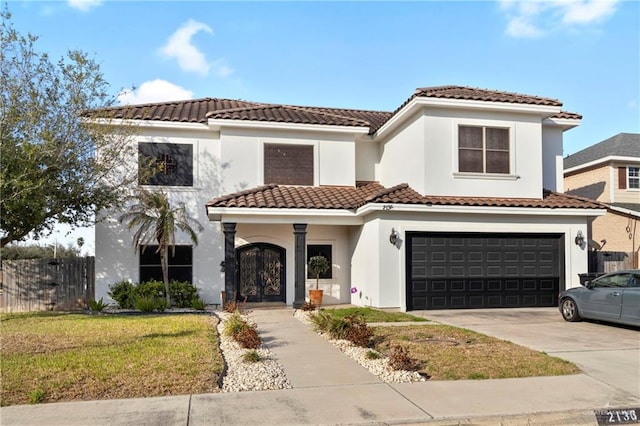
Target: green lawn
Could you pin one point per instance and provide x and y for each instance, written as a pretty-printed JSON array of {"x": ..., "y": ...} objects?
[
  {"x": 373, "y": 315},
  {"x": 60, "y": 357}
]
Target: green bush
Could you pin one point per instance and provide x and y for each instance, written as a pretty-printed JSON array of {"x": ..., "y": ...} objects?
[
  {"x": 36, "y": 396},
  {"x": 97, "y": 305},
  {"x": 234, "y": 325},
  {"x": 182, "y": 293},
  {"x": 251, "y": 356},
  {"x": 320, "y": 321},
  {"x": 197, "y": 304},
  {"x": 123, "y": 293},
  {"x": 151, "y": 288},
  {"x": 150, "y": 304}
]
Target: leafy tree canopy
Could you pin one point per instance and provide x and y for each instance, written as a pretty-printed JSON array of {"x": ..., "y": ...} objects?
[
  {"x": 35, "y": 251},
  {"x": 56, "y": 157}
]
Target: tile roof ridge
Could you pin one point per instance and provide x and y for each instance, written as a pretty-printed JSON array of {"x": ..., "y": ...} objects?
[
  {"x": 547, "y": 192},
  {"x": 319, "y": 111},
  {"x": 384, "y": 191},
  {"x": 249, "y": 191},
  {"x": 254, "y": 106},
  {"x": 485, "y": 90},
  {"x": 176, "y": 102}
]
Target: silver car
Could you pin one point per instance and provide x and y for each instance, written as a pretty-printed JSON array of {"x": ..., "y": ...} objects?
[{"x": 613, "y": 297}]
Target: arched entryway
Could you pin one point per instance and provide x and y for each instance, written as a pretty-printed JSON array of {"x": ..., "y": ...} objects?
[{"x": 261, "y": 273}]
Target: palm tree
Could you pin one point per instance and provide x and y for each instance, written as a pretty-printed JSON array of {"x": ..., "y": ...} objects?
[{"x": 157, "y": 221}]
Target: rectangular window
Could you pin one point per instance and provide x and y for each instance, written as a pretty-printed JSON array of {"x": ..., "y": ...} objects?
[
  {"x": 165, "y": 164},
  {"x": 319, "y": 250},
  {"x": 288, "y": 164},
  {"x": 483, "y": 150},
  {"x": 180, "y": 264},
  {"x": 633, "y": 175}
]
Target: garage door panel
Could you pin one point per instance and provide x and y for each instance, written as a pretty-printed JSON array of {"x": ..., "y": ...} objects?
[{"x": 483, "y": 270}]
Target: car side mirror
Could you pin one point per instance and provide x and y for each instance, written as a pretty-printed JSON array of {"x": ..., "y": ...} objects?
[{"x": 588, "y": 284}]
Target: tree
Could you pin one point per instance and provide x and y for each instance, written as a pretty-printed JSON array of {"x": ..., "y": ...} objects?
[
  {"x": 50, "y": 137},
  {"x": 318, "y": 266},
  {"x": 35, "y": 251},
  {"x": 156, "y": 221}
]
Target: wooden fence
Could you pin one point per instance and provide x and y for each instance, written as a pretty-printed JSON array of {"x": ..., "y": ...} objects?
[
  {"x": 611, "y": 261},
  {"x": 47, "y": 284}
]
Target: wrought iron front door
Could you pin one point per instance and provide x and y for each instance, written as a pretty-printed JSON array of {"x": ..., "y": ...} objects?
[{"x": 261, "y": 273}]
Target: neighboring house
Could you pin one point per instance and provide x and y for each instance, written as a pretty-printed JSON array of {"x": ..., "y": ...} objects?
[
  {"x": 609, "y": 171},
  {"x": 439, "y": 204}
]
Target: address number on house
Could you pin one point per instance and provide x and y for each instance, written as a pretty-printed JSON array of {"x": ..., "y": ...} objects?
[{"x": 626, "y": 416}]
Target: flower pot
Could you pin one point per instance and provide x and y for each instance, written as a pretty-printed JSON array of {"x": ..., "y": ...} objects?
[{"x": 315, "y": 297}]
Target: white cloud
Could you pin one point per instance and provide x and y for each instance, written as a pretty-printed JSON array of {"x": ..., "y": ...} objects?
[
  {"x": 534, "y": 18},
  {"x": 154, "y": 91},
  {"x": 179, "y": 46},
  {"x": 586, "y": 12},
  {"x": 84, "y": 5},
  {"x": 633, "y": 104}
]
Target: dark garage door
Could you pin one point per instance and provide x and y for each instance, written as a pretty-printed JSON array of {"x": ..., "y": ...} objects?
[{"x": 475, "y": 270}]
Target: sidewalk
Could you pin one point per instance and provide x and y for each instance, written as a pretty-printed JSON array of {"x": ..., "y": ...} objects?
[{"x": 330, "y": 388}]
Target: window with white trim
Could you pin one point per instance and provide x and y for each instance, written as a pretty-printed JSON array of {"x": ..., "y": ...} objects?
[
  {"x": 633, "y": 177},
  {"x": 483, "y": 150}
]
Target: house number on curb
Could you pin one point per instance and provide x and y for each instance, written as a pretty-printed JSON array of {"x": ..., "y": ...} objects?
[{"x": 626, "y": 416}]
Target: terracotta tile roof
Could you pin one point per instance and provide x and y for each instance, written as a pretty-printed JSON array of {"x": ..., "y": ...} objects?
[
  {"x": 351, "y": 198},
  {"x": 476, "y": 94},
  {"x": 565, "y": 115},
  {"x": 200, "y": 110}
]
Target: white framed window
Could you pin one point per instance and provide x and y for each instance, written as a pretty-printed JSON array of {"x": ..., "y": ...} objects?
[
  {"x": 484, "y": 149},
  {"x": 633, "y": 177}
]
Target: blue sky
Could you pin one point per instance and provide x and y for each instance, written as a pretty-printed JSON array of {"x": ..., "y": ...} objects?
[{"x": 368, "y": 55}]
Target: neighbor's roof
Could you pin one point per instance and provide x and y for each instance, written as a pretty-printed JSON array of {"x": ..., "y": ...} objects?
[
  {"x": 200, "y": 110},
  {"x": 620, "y": 145},
  {"x": 351, "y": 198}
]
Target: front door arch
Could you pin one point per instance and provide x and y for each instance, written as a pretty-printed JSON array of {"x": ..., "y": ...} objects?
[{"x": 261, "y": 273}]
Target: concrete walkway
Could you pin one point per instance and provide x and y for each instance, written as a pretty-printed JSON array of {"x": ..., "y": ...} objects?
[{"x": 330, "y": 388}]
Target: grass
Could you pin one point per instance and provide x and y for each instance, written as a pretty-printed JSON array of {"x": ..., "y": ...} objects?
[
  {"x": 49, "y": 357},
  {"x": 450, "y": 353},
  {"x": 373, "y": 315}
]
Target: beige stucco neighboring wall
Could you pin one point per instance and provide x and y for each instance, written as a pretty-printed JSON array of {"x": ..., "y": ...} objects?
[
  {"x": 622, "y": 233},
  {"x": 592, "y": 183}
]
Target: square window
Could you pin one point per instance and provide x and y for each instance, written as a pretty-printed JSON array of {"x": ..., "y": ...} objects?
[
  {"x": 180, "y": 264},
  {"x": 288, "y": 164},
  {"x": 320, "y": 250},
  {"x": 165, "y": 164},
  {"x": 483, "y": 150}
]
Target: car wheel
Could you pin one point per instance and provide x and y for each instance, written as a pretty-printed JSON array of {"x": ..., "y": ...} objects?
[{"x": 570, "y": 310}]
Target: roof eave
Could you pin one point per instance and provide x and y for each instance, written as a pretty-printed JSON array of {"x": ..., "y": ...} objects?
[
  {"x": 607, "y": 159},
  {"x": 535, "y": 211},
  {"x": 544, "y": 111},
  {"x": 218, "y": 124},
  {"x": 564, "y": 123}
]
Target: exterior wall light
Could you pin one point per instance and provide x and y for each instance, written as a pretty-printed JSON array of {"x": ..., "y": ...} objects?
[
  {"x": 393, "y": 238},
  {"x": 579, "y": 240}
]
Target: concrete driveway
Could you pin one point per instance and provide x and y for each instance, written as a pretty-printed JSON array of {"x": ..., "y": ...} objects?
[{"x": 606, "y": 352}]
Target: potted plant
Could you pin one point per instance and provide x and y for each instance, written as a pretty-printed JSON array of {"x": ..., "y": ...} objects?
[{"x": 317, "y": 265}]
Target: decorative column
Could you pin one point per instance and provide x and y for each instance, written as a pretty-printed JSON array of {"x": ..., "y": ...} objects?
[
  {"x": 230, "y": 286},
  {"x": 300, "y": 234}
]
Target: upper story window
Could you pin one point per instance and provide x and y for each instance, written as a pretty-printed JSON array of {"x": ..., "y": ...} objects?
[
  {"x": 633, "y": 176},
  {"x": 288, "y": 164},
  {"x": 166, "y": 164},
  {"x": 483, "y": 149}
]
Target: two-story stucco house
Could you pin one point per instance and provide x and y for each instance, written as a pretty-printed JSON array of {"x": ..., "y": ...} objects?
[
  {"x": 450, "y": 201},
  {"x": 609, "y": 171}
]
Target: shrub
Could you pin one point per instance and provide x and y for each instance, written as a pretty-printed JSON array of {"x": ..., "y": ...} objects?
[
  {"x": 145, "y": 303},
  {"x": 182, "y": 293},
  {"x": 338, "y": 327},
  {"x": 197, "y": 303},
  {"x": 248, "y": 337},
  {"x": 122, "y": 292},
  {"x": 399, "y": 359},
  {"x": 234, "y": 324},
  {"x": 320, "y": 321},
  {"x": 308, "y": 306},
  {"x": 251, "y": 356},
  {"x": 151, "y": 288},
  {"x": 97, "y": 305},
  {"x": 36, "y": 396},
  {"x": 371, "y": 354},
  {"x": 357, "y": 331}
]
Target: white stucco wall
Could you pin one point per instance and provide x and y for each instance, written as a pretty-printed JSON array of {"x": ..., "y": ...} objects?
[
  {"x": 552, "y": 165},
  {"x": 116, "y": 258},
  {"x": 242, "y": 156},
  {"x": 378, "y": 268},
  {"x": 424, "y": 154}
]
